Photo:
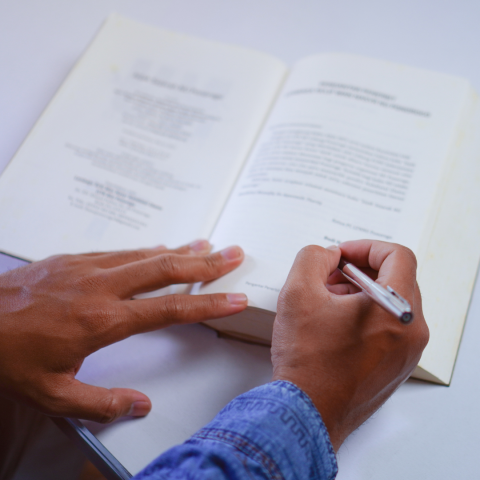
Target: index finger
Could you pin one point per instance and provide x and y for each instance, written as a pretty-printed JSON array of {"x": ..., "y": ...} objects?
[
  {"x": 313, "y": 266},
  {"x": 169, "y": 269},
  {"x": 396, "y": 264}
]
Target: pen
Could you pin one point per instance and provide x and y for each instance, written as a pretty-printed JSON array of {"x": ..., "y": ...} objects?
[{"x": 387, "y": 298}]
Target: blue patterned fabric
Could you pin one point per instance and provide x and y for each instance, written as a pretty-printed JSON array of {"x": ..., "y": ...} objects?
[{"x": 271, "y": 432}]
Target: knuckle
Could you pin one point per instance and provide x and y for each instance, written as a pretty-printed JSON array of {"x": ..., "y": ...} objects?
[
  {"x": 172, "y": 307},
  {"x": 295, "y": 292},
  {"x": 212, "y": 263},
  {"x": 169, "y": 266},
  {"x": 91, "y": 281},
  {"x": 135, "y": 255},
  {"x": 60, "y": 259},
  {"x": 286, "y": 295},
  {"x": 110, "y": 409},
  {"x": 291, "y": 299},
  {"x": 408, "y": 255},
  {"x": 54, "y": 266},
  {"x": 97, "y": 320},
  {"x": 423, "y": 335},
  {"x": 214, "y": 302},
  {"x": 412, "y": 340},
  {"x": 65, "y": 261},
  {"x": 310, "y": 250}
]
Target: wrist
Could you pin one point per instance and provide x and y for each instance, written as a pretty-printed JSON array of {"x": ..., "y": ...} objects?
[{"x": 328, "y": 406}]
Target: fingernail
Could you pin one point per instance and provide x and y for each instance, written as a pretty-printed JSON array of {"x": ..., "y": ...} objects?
[
  {"x": 237, "y": 298},
  {"x": 139, "y": 409},
  {"x": 332, "y": 247},
  {"x": 200, "y": 246},
  {"x": 231, "y": 253},
  {"x": 160, "y": 247}
]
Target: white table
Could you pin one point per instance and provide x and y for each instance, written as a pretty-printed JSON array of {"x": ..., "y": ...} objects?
[{"x": 424, "y": 431}]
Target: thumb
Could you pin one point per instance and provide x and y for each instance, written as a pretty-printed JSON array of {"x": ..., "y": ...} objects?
[{"x": 103, "y": 405}]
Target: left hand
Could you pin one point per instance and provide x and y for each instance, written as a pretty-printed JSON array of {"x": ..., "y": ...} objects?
[{"x": 56, "y": 312}]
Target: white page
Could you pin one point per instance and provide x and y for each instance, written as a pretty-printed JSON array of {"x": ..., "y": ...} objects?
[
  {"x": 140, "y": 146},
  {"x": 353, "y": 149}
]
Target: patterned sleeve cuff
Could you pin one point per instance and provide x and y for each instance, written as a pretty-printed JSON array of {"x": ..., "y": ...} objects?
[{"x": 277, "y": 426}]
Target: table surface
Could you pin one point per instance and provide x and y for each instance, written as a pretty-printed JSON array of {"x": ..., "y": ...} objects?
[{"x": 424, "y": 431}]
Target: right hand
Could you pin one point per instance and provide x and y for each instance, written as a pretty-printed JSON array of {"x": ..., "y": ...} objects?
[{"x": 337, "y": 345}]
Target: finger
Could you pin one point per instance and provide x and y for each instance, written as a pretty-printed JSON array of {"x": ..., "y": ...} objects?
[
  {"x": 313, "y": 265},
  {"x": 307, "y": 288},
  {"x": 199, "y": 247},
  {"x": 162, "y": 270},
  {"x": 149, "y": 314},
  {"x": 338, "y": 277},
  {"x": 342, "y": 288},
  {"x": 114, "y": 259},
  {"x": 79, "y": 400},
  {"x": 396, "y": 264}
]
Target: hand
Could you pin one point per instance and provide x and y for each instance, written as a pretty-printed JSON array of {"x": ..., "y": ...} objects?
[
  {"x": 56, "y": 312},
  {"x": 331, "y": 340}
]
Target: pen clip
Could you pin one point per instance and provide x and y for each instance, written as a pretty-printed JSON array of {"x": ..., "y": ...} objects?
[
  {"x": 398, "y": 296},
  {"x": 402, "y": 304}
]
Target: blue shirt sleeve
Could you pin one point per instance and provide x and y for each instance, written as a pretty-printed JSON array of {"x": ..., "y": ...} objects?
[{"x": 271, "y": 432}]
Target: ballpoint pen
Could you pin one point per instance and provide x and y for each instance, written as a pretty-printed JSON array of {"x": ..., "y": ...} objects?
[{"x": 387, "y": 298}]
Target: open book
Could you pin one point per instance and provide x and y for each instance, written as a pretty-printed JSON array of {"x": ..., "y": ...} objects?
[{"x": 156, "y": 137}]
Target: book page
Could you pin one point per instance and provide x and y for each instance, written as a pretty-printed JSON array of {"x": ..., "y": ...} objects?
[
  {"x": 453, "y": 246},
  {"x": 355, "y": 148},
  {"x": 140, "y": 146}
]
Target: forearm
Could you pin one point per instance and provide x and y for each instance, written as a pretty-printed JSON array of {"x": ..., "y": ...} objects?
[{"x": 271, "y": 432}]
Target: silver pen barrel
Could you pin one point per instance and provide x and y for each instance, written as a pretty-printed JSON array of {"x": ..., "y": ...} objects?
[{"x": 387, "y": 298}]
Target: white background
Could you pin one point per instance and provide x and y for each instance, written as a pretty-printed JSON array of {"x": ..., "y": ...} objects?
[{"x": 424, "y": 431}]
